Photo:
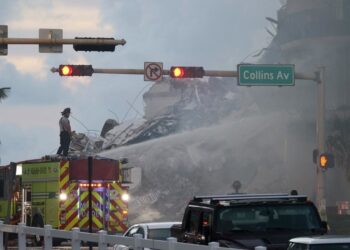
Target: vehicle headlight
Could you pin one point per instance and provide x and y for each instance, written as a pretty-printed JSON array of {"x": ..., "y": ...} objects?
[
  {"x": 63, "y": 196},
  {"x": 125, "y": 197}
]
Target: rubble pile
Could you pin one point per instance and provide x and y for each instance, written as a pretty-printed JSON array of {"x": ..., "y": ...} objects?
[{"x": 181, "y": 105}]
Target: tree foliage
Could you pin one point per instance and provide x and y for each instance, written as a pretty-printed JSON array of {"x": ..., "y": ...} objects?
[{"x": 4, "y": 93}]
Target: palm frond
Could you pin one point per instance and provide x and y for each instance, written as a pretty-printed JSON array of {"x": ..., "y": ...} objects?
[{"x": 4, "y": 92}]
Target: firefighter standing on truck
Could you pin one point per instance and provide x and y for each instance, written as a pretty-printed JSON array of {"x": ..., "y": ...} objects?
[{"x": 65, "y": 133}]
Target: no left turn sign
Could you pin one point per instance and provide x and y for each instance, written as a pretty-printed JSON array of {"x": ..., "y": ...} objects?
[{"x": 153, "y": 71}]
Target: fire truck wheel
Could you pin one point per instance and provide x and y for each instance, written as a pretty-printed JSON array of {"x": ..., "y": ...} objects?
[{"x": 38, "y": 222}]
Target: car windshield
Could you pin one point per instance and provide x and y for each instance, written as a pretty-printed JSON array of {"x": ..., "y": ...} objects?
[
  {"x": 248, "y": 218},
  {"x": 330, "y": 246},
  {"x": 159, "y": 234}
]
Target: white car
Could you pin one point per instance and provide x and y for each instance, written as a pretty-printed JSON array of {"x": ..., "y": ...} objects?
[
  {"x": 153, "y": 231},
  {"x": 324, "y": 242}
]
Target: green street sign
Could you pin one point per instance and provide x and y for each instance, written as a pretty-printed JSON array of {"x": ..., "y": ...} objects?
[{"x": 265, "y": 74}]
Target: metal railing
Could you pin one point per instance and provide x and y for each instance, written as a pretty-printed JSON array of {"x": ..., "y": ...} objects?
[{"x": 102, "y": 239}]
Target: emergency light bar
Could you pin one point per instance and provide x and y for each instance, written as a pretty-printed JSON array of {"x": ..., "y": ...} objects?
[{"x": 94, "y": 185}]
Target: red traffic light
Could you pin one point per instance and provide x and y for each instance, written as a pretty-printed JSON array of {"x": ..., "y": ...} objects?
[
  {"x": 178, "y": 72},
  {"x": 186, "y": 72},
  {"x": 66, "y": 70},
  {"x": 75, "y": 70}
]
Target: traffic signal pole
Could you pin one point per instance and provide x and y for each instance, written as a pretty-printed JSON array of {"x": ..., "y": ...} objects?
[
  {"x": 318, "y": 78},
  {"x": 320, "y": 131}
]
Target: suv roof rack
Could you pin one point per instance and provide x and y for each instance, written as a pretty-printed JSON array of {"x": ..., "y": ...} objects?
[{"x": 251, "y": 197}]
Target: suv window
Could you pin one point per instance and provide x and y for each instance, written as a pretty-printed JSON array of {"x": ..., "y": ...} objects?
[
  {"x": 192, "y": 226},
  {"x": 159, "y": 234},
  {"x": 206, "y": 224},
  {"x": 301, "y": 217}
]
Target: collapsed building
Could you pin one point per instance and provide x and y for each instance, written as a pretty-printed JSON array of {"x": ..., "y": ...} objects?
[{"x": 312, "y": 34}]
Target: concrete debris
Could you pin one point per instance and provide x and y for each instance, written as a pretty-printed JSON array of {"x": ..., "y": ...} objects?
[
  {"x": 171, "y": 106},
  {"x": 109, "y": 124}
]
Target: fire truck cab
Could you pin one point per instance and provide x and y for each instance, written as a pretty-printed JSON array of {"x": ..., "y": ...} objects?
[{"x": 65, "y": 193}]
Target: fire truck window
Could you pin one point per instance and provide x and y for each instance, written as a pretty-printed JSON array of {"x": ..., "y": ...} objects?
[
  {"x": 29, "y": 196},
  {"x": 2, "y": 185}
]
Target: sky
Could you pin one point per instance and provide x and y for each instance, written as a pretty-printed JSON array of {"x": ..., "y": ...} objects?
[{"x": 215, "y": 34}]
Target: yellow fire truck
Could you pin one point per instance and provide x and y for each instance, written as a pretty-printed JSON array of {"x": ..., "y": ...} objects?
[{"x": 65, "y": 193}]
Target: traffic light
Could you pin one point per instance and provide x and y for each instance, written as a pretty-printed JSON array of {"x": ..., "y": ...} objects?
[
  {"x": 94, "y": 47},
  {"x": 326, "y": 160},
  {"x": 75, "y": 70},
  {"x": 186, "y": 72}
]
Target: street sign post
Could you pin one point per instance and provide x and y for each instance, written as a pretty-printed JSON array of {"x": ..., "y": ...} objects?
[
  {"x": 3, "y": 34},
  {"x": 265, "y": 74}
]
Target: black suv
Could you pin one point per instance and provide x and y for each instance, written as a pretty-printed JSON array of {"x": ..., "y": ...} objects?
[{"x": 249, "y": 220}]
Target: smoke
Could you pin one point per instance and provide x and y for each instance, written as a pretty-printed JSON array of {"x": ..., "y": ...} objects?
[{"x": 208, "y": 160}]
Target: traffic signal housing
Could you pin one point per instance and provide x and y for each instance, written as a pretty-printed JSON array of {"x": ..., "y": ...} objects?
[
  {"x": 94, "y": 47},
  {"x": 326, "y": 160},
  {"x": 75, "y": 70},
  {"x": 186, "y": 72}
]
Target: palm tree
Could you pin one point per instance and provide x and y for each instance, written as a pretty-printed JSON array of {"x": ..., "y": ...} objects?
[{"x": 4, "y": 92}]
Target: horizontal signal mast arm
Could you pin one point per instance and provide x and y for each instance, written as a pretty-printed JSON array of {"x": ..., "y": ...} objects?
[
  {"x": 303, "y": 76},
  {"x": 165, "y": 72},
  {"x": 112, "y": 71},
  {"x": 92, "y": 41},
  {"x": 220, "y": 73},
  {"x": 120, "y": 71}
]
